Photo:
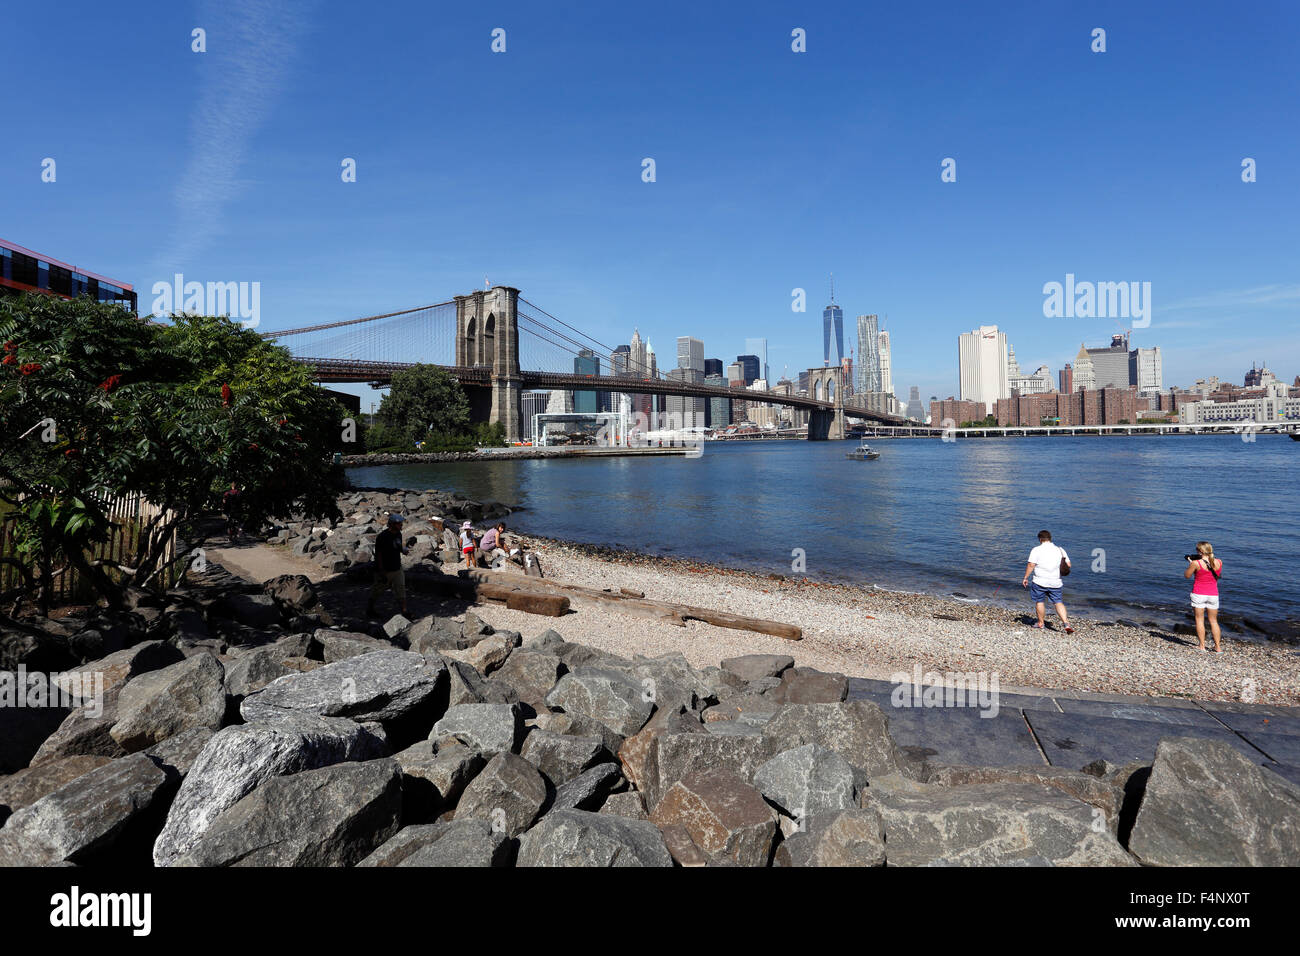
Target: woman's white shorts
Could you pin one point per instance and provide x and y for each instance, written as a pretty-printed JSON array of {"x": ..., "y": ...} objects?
[{"x": 1206, "y": 600}]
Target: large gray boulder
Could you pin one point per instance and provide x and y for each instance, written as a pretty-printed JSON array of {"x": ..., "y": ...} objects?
[
  {"x": 86, "y": 731},
  {"x": 634, "y": 751},
  {"x": 993, "y": 824},
  {"x": 588, "y": 790},
  {"x": 857, "y": 730},
  {"x": 508, "y": 794},
  {"x": 28, "y": 785},
  {"x": 725, "y": 817},
  {"x": 753, "y": 666},
  {"x": 178, "y": 753},
  {"x": 562, "y": 756},
  {"x": 807, "y": 780},
  {"x": 87, "y": 818},
  {"x": 468, "y": 686},
  {"x": 531, "y": 674},
  {"x": 1103, "y": 793},
  {"x": 250, "y": 672},
  {"x": 603, "y": 695},
  {"x": 162, "y": 703},
  {"x": 332, "y": 816},
  {"x": 805, "y": 685},
  {"x": 433, "y": 782},
  {"x": 853, "y": 837},
  {"x": 488, "y": 728},
  {"x": 1206, "y": 804},
  {"x": 667, "y": 680},
  {"x": 580, "y": 838},
  {"x": 383, "y": 686},
  {"x": 674, "y": 756},
  {"x": 341, "y": 645},
  {"x": 237, "y": 759},
  {"x": 448, "y": 843}
]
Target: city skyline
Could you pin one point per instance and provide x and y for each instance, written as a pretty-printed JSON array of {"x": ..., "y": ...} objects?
[{"x": 250, "y": 189}]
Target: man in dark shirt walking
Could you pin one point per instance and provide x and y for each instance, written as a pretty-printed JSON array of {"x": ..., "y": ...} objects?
[{"x": 388, "y": 564}]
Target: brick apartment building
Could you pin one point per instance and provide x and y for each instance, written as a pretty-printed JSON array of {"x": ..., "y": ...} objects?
[
  {"x": 1101, "y": 406},
  {"x": 957, "y": 410}
]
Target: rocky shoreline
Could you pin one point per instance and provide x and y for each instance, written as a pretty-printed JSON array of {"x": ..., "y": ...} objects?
[{"x": 240, "y": 730}]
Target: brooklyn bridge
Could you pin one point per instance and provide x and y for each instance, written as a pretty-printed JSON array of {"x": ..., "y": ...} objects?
[{"x": 498, "y": 344}]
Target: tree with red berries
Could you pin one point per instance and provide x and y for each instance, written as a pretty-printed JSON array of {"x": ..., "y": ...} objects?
[{"x": 98, "y": 404}]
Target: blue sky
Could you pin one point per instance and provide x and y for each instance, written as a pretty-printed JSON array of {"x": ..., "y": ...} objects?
[{"x": 774, "y": 168}]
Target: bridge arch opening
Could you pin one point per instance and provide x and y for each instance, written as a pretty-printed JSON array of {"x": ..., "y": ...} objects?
[
  {"x": 817, "y": 390},
  {"x": 471, "y": 336},
  {"x": 830, "y": 390},
  {"x": 490, "y": 340}
]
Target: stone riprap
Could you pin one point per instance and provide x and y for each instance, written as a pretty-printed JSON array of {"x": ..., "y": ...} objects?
[{"x": 246, "y": 732}]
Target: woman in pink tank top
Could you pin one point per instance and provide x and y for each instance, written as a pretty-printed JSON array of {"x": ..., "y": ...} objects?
[{"x": 1204, "y": 568}]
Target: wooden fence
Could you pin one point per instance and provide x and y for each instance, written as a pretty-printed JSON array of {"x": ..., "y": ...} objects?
[{"x": 128, "y": 515}]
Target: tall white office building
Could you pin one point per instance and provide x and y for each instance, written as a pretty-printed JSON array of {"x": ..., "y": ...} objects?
[
  {"x": 690, "y": 353},
  {"x": 886, "y": 372},
  {"x": 868, "y": 378},
  {"x": 982, "y": 364},
  {"x": 1145, "y": 370}
]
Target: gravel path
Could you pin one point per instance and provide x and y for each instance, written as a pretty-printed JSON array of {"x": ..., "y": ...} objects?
[{"x": 868, "y": 633}]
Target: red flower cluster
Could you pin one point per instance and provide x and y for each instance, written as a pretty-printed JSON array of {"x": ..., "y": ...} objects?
[
  {"x": 29, "y": 368},
  {"x": 110, "y": 383},
  {"x": 8, "y": 360},
  {"x": 226, "y": 394}
]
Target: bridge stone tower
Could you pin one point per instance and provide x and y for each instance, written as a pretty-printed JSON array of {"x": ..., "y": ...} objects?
[
  {"x": 487, "y": 334},
  {"x": 823, "y": 423}
]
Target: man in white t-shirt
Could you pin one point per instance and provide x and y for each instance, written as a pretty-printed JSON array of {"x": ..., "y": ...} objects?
[{"x": 1045, "y": 568}]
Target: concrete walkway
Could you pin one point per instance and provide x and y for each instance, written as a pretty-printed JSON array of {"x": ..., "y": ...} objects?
[{"x": 1073, "y": 728}]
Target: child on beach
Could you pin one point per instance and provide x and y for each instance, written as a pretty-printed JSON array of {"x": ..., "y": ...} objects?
[
  {"x": 1205, "y": 568},
  {"x": 467, "y": 546}
]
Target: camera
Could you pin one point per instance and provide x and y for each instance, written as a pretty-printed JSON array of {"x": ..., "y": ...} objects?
[{"x": 1192, "y": 557}]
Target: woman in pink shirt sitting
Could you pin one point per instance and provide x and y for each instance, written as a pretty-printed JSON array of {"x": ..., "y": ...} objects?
[{"x": 1205, "y": 568}]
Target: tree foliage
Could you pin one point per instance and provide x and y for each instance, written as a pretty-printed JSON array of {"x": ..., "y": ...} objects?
[
  {"x": 425, "y": 404},
  {"x": 99, "y": 404}
]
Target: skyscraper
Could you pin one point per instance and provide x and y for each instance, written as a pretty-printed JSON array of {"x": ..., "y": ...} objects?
[
  {"x": 1110, "y": 365},
  {"x": 1065, "y": 379},
  {"x": 690, "y": 353},
  {"x": 982, "y": 364},
  {"x": 915, "y": 410},
  {"x": 750, "y": 365},
  {"x": 1083, "y": 375},
  {"x": 886, "y": 363},
  {"x": 1145, "y": 369},
  {"x": 832, "y": 315},
  {"x": 868, "y": 379},
  {"x": 619, "y": 362},
  {"x": 713, "y": 367},
  {"x": 587, "y": 363},
  {"x": 759, "y": 347}
]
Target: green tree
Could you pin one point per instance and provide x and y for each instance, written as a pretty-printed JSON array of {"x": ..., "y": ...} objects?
[
  {"x": 425, "y": 403},
  {"x": 99, "y": 404}
]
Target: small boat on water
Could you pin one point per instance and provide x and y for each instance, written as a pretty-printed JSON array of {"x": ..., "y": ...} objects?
[
  {"x": 1295, "y": 436},
  {"x": 863, "y": 452}
]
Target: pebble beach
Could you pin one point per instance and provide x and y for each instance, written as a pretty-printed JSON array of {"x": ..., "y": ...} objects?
[{"x": 865, "y": 632}]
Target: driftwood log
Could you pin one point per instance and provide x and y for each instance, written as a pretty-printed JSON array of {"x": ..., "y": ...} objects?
[{"x": 494, "y": 586}]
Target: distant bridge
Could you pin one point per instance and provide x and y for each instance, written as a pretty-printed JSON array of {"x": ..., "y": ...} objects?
[{"x": 497, "y": 344}]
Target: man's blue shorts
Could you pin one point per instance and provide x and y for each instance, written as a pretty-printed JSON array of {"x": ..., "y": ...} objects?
[{"x": 1049, "y": 595}]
